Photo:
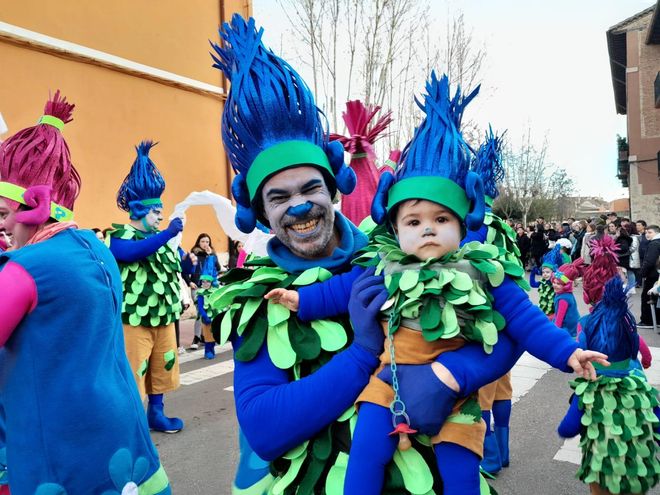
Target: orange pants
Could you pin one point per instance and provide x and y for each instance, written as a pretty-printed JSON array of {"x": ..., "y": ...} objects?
[
  {"x": 152, "y": 353},
  {"x": 498, "y": 390}
]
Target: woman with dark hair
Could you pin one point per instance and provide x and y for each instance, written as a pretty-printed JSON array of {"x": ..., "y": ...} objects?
[
  {"x": 523, "y": 244},
  {"x": 539, "y": 245},
  {"x": 207, "y": 264},
  {"x": 207, "y": 259},
  {"x": 624, "y": 244}
]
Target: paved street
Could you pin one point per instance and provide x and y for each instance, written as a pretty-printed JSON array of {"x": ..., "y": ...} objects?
[{"x": 201, "y": 459}]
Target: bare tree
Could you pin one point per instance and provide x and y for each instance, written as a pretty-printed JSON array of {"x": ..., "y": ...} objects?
[
  {"x": 380, "y": 51},
  {"x": 525, "y": 171},
  {"x": 531, "y": 183}
]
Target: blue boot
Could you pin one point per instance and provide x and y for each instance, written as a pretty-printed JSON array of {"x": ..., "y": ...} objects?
[
  {"x": 491, "y": 462},
  {"x": 502, "y": 436},
  {"x": 157, "y": 419},
  {"x": 209, "y": 350}
]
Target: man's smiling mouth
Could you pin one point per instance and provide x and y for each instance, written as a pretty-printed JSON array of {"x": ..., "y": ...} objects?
[{"x": 305, "y": 227}]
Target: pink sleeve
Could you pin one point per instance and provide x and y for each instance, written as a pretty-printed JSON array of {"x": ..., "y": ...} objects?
[
  {"x": 242, "y": 254},
  {"x": 646, "y": 353},
  {"x": 18, "y": 296},
  {"x": 561, "y": 312}
]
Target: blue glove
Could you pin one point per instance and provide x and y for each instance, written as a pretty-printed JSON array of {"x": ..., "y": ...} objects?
[
  {"x": 175, "y": 226},
  {"x": 367, "y": 297},
  {"x": 428, "y": 400}
]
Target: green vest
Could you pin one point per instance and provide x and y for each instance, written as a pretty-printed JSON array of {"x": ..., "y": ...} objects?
[{"x": 151, "y": 285}]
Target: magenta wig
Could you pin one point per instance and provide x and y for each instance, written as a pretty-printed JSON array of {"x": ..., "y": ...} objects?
[
  {"x": 604, "y": 261},
  {"x": 39, "y": 155}
]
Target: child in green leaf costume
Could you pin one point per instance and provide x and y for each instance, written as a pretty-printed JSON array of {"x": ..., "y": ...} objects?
[
  {"x": 440, "y": 297},
  {"x": 617, "y": 415},
  {"x": 206, "y": 313}
]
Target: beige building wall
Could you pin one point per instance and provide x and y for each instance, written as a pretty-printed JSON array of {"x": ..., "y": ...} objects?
[{"x": 119, "y": 105}]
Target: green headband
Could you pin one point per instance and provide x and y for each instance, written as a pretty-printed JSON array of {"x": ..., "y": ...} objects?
[
  {"x": 52, "y": 121},
  {"x": 281, "y": 156},
  {"x": 151, "y": 202},
  {"x": 208, "y": 278},
  {"x": 431, "y": 188},
  {"x": 15, "y": 193}
]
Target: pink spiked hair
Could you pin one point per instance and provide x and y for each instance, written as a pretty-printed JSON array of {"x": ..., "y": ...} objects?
[
  {"x": 39, "y": 155},
  {"x": 603, "y": 267}
]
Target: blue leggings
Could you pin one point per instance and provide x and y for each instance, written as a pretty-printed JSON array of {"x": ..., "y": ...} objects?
[{"x": 372, "y": 449}]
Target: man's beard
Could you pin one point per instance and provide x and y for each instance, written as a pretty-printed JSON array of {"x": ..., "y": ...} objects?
[{"x": 292, "y": 232}]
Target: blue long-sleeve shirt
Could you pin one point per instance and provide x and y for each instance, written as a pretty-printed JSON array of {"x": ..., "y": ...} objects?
[{"x": 128, "y": 251}]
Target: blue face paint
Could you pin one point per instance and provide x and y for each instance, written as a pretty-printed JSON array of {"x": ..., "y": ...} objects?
[{"x": 300, "y": 210}]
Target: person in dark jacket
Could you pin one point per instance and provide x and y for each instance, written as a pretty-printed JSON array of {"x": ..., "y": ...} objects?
[
  {"x": 624, "y": 244},
  {"x": 640, "y": 225},
  {"x": 538, "y": 244},
  {"x": 649, "y": 274},
  {"x": 524, "y": 244}
]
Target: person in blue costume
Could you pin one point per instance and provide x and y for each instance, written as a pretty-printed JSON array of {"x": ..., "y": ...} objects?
[
  {"x": 495, "y": 398},
  {"x": 566, "y": 313},
  {"x": 205, "y": 314},
  {"x": 617, "y": 416},
  {"x": 421, "y": 250},
  {"x": 149, "y": 267},
  {"x": 72, "y": 420},
  {"x": 294, "y": 399},
  {"x": 549, "y": 264}
]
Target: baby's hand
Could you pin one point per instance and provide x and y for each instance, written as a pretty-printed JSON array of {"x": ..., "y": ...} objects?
[
  {"x": 581, "y": 360},
  {"x": 287, "y": 298}
]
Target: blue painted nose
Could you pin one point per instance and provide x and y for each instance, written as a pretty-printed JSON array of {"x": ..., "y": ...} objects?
[{"x": 300, "y": 210}]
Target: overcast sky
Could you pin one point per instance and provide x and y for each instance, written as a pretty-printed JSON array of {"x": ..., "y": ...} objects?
[{"x": 547, "y": 66}]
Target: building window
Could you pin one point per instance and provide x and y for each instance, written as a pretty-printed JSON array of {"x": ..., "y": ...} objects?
[{"x": 657, "y": 90}]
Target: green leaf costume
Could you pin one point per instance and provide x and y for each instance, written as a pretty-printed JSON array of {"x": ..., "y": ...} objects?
[
  {"x": 619, "y": 446},
  {"x": 301, "y": 348},
  {"x": 151, "y": 285},
  {"x": 444, "y": 297}
]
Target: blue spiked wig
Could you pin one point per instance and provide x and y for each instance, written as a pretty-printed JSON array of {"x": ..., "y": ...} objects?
[
  {"x": 270, "y": 121},
  {"x": 611, "y": 327},
  {"x": 143, "y": 186},
  {"x": 488, "y": 165},
  {"x": 435, "y": 164},
  {"x": 552, "y": 259}
]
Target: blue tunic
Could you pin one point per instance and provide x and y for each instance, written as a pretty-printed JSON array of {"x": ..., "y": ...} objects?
[
  {"x": 75, "y": 422},
  {"x": 572, "y": 316}
]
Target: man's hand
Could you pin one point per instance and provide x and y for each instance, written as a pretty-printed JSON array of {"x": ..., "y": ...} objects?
[
  {"x": 287, "y": 298},
  {"x": 367, "y": 296},
  {"x": 581, "y": 361},
  {"x": 175, "y": 226},
  {"x": 428, "y": 400}
]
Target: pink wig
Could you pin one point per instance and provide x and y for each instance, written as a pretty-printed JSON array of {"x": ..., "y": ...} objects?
[
  {"x": 604, "y": 260},
  {"x": 39, "y": 155}
]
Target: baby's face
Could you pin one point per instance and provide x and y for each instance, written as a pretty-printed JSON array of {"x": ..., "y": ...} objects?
[
  {"x": 206, "y": 284},
  {"x": 546, "y": 273},
  {"x": 427, "y": 229}
]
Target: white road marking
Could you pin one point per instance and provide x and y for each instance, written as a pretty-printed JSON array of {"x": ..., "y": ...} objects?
[
  {"x": 208, "y": 372},
  {"x": 524, "y": 375},
  {"x": 199, "y": 353},
  {"x": 570, "y": 451}
]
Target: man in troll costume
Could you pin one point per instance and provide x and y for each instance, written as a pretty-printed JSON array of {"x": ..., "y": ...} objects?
[
  {"x": 295, "y": 382},
  {"x": 149, "y": 269},
  {"x": 73, "y": 416},
  {"x": 441, "y": 296},
  {"x": 495, "y": 398}
]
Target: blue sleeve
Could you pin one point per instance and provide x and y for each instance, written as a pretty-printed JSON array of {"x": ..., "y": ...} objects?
[
  {"x": 571, "y": 425},
  {"x": 582, "y": 340},
  {"x": 532, "y": 277},
  {"x": 473, "y": 368},
  {"x": 200, "y": 310},
  {"x": 128, "y": 251},
  {"x": 276, "y": 414},
  {"x": 656, "y": 410},
  {"x": 329, "y": 298},
  {"x": 529, "y": 326}
]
